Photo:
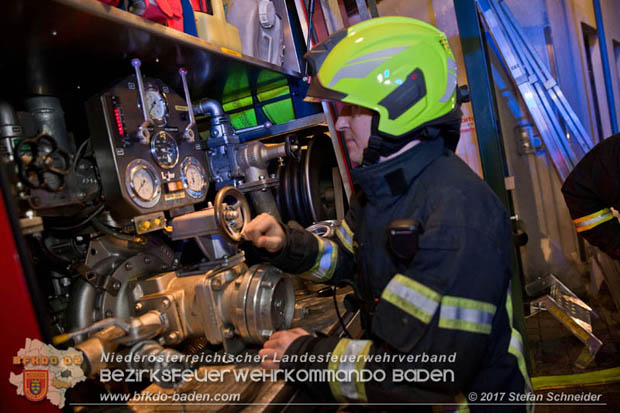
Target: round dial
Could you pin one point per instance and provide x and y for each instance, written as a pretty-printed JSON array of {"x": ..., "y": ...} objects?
[
  {"x": 156, "y": 105},
  {"x": 165, "y": 150},
  {"x": 193, "y": 177},
  {"x": 142, "y": 183}
]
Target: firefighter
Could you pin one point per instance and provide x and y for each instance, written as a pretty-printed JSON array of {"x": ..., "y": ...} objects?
[
  {"x": 591, "y": 189},
  {"x": 439, "y": 284}
]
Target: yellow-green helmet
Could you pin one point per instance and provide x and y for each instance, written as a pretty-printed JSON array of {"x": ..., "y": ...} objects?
[{"x": 401, "y": 68}]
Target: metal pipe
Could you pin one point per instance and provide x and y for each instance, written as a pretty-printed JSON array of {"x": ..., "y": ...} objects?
[
  {"x": 362, "y": 9},
  {"x": 264, "y": 202},
  {"x": 606, "y": 70},
  {"x": 372, "y": 8},
  {"x": 50, "y": 120},
  {"x": 309, "y": 40},
  {"x": 9, "y": 128},
  {"x": 208, "y": 107},
  {"x": 8, "y": 117}
]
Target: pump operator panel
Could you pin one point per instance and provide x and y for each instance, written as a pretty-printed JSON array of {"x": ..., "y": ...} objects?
[{"x": 148, "y": 171}]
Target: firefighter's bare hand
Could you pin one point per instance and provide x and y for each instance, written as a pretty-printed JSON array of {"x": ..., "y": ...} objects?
[
  {"x": 273, "y": 350},
  {"x": 265, "y": 232}
]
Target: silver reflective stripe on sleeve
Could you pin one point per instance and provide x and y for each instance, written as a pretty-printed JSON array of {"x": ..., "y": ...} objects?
[
  {"x": 325, "y": 264},
  {"x": 515, "y": 347},
  {"x": 348, "y": 360},
  {"x": 345, "y": 235},
  {"x": 590, "y": 221},
  {"x": 412, "y": 297},
  {"x": 465, "y": 314},
  {"x": 515, "y": 341}
]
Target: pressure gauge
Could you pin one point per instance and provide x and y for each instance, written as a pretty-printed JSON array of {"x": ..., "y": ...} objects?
[
  {"x": 156, "y": 106},
  {"x": 165, "y": 150},
  {"x": 193, "y": 177},
  {"x": 143, "y": 183}
]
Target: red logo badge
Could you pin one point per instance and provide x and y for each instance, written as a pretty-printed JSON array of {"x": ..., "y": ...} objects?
[{"x": 35, "y": 384}]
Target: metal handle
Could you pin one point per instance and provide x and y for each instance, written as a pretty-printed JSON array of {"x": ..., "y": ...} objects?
[
  {"x": 265, "y": 125},
  {"x": 188, "y": 134},
  {"x": 143, "y": 130}
]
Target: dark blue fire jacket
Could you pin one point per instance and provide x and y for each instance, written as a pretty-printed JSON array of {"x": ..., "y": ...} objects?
[
  {"x": 450, "y": 305},
  {"x": 591, "y": 189}
]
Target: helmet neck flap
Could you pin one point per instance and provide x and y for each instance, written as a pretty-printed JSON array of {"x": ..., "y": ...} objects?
[{"x": 382, "y": 144}]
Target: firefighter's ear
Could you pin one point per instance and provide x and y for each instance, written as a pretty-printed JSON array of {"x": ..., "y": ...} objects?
[{"x": 404, "y": 238}]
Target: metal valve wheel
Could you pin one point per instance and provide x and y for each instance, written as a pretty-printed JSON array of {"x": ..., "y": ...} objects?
[
  {"x": 43, "y": 165},
  {"x": 232, "y": 213}
]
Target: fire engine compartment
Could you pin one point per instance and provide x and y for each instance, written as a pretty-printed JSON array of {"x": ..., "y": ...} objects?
[{"x": 132, "y": 187}]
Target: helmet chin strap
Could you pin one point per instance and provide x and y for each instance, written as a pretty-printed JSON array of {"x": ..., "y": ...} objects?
[
  {"x": 383, "y": 145},
  {"x": 372, "y": 152}
]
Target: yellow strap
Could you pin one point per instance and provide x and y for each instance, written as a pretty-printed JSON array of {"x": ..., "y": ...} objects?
[
  {"x": 412, "y": 297},
  {"x": 421, "y": 288},
  {"x": 463, "y": 407},
  {"x": 515, "y": 351},
  {"x": 593, "y": 215},
  {"x": 592, "y": 378},
  {"x": 359, "y": 366},
  {"x": 590, "y": 221},
  {"x": 333, "y": 364},
  {"x": 468, "y": 303},
  {"x": 348, "y": 244},
  {"x": 360, "y": 361}
]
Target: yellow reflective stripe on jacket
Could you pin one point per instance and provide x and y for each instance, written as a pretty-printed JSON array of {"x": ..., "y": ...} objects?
[
  {"x": 592, "y": 220},
  {"x": 412, "y": 297},
  {"x": 462, "y": 407},
  {"x": 347, "y": 361},
  {"x": 325, "y": 264},
  {"x": 466, "y": 314},
  {"x": 515, "y": 347},
  {"x": 345, "y": 235}
]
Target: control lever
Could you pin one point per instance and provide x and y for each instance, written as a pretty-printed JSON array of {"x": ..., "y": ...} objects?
[
  {"x": 188, "y": 133},
  {"x": 265, "y": 125},
  {"x": 143, "y": 130}
]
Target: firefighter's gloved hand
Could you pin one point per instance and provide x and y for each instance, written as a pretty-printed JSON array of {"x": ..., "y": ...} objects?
[
  {"x": 265, "y": 231},
  {"x": 277, "y": 345}
]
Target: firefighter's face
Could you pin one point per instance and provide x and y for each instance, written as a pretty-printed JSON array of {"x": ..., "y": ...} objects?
[{"x": 354, "y": 123}]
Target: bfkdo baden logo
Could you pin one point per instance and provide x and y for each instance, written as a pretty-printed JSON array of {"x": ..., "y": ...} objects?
[
  {"x": 35, "y": 384},
  {"x": 48, "y": 372}
]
